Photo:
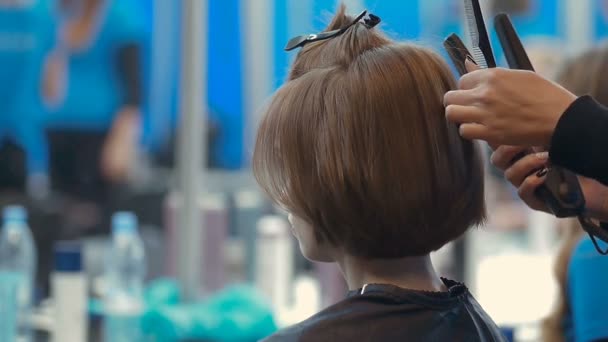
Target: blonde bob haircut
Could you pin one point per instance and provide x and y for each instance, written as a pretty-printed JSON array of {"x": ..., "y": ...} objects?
[{"x": 356, "y": 144}]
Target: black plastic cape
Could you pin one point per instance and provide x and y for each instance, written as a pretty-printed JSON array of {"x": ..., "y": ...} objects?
[{"x": 390, "y": 313}]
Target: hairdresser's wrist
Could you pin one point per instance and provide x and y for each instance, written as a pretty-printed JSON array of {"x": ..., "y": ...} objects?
[
  {"x": 555, "y": 118},
  {"x": 574, "y": 134}
]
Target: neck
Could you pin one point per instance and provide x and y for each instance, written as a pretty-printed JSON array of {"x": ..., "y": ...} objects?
[{"x": 415, "y": 273}]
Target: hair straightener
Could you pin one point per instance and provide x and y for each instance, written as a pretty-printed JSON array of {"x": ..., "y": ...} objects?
[{"x": 561, "y": 191}]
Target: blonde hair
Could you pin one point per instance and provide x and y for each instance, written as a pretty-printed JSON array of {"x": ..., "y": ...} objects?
[
  {"x": 583, "y": 75},
  {"x": 356, "y": 143}
]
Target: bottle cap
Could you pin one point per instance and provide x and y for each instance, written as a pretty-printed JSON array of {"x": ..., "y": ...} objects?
[
  {"x": 68, "y": 256},
  {"x": 124, "y": 222},
  {"x": 14, "y": 213}
]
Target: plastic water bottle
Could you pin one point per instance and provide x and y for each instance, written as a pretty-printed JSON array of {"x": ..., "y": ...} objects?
[
  {"x": 17, "y": 272},
  {"x": 125, "y": 272}
]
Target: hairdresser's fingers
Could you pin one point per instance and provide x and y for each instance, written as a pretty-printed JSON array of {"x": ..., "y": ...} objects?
[
  {"x": 521, "y": 169},
  {"x": 472, "y": 80},
  {"x": 474, "y": 131},
  {"x": 471, "y": 65},
  {"x": 504, "y": 156},
  {"x": 463, "y": 114},
  {"x": 460, "y": 97},
  {"x": 527, "y": 190}
]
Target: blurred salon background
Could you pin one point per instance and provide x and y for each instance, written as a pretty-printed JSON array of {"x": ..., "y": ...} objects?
[{"x": 151, "y": 107}]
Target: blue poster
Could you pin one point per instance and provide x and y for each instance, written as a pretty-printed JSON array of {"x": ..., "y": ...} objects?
[
  {"x": 440, "y": 18},
  {"x": 600, "y": 19},
  {"x": 26, "y": 36},
  {"x": 322, "y": 13},
  {"x": 400, "y": 19},
  {"x": 225, "y": 83},
  {"x": 281, "y": 36}
]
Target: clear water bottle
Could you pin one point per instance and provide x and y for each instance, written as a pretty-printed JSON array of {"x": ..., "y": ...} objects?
[
  {"x": 17, "y": 272},
  {"x": 125, "y": 272}
]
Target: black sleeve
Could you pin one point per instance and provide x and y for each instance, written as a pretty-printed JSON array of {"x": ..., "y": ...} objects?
[
  {"x": 580, "y": 140},
  {"x": 129, "y": 72}
]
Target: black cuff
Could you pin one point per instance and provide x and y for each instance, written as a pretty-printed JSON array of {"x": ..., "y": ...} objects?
[{"x": 581, "y": 138}]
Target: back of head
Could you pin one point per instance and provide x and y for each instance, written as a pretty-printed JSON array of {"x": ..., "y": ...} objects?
[
  {"x": 586, "y": 74},
  {"x": 356, "y": 143},
  {"x": 582, "y": 75}
]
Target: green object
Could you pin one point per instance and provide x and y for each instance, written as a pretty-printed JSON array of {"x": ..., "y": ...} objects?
[
  {"x": 163, "y": 291},
  {"x": 235, "y": 314}
]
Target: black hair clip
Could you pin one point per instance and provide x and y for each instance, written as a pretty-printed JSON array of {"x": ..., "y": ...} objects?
[{"x": 370, "y": 21}]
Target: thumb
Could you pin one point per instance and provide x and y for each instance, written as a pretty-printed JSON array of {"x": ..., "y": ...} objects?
[{"x": 470, "y": 64}]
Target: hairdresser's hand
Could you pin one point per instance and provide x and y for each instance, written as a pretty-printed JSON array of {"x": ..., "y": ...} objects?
[
  {"x": 507, "y": 107},
  {"x": 529, "y": 172}
]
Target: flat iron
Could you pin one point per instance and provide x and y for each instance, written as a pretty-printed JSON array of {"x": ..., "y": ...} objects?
[{"x": 561, "y": 192}]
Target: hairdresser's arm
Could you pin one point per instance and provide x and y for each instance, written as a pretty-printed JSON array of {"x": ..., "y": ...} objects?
[
  {"x": 513, "y": 107},
  {"x": 580, "y": 140}
]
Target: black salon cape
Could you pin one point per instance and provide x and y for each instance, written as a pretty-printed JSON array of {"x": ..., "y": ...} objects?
[
  {"x": 390, "y": 313},
  {"x": 580, "y": 140}
]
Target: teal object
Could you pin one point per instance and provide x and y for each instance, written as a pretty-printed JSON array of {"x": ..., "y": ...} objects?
[
  {"x": 236, "y": 314},
  {"x": 162, "y": 292},
  {"x": 123, "y": 328},
  {"x": 586, "y": 290},
  {"x": 9, "y": 284}
]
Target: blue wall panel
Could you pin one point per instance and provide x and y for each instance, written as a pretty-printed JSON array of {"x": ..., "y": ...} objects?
[{"x": 225, "y": 79}]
